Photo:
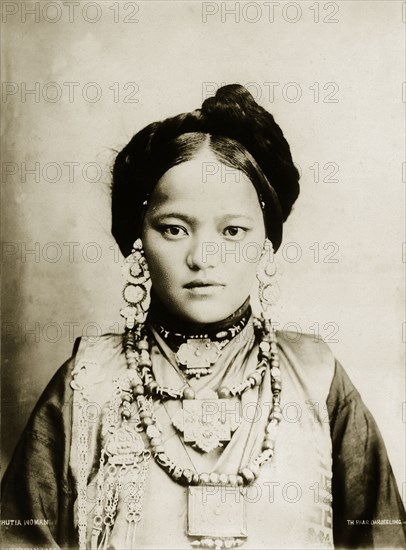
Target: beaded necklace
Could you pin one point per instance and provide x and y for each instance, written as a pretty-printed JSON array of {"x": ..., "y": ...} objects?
[{"x": 146, "y": 390}]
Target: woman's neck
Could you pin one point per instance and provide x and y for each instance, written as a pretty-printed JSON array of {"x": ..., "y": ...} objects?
[{"x": 160, "y": 316}]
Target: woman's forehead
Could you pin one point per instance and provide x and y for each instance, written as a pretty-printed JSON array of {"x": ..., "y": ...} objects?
[{"x": 205, "y": 182}]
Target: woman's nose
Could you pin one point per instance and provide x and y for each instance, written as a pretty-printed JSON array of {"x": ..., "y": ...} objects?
[{"x": 203, "y": 253}]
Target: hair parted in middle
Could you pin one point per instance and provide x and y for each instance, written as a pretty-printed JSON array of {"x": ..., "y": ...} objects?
[{"x": 240, "y": 133}]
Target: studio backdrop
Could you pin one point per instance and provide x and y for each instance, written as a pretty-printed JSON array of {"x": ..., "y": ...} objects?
[{"x": 79, "y": 79}]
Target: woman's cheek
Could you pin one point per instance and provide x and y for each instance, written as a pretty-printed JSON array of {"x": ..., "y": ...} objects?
[
  {"x": 167, "y": 266},
  {"x": 244, "y": 268}
]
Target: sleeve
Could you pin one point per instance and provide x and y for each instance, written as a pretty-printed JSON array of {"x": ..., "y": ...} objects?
[
  {"x": 367, "y": 508},
  {"x": 37, "y": 489}
]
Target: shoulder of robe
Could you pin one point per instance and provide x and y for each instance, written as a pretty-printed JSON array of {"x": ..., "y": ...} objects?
[
  {"x": 309, "y": 357},
  {"x": 98, "y": 358},
  {"x": 306, "y": 348}
]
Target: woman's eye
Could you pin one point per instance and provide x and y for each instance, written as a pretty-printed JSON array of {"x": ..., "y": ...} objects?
[
  {"x": 173, "y": 231},
  {"x": 235, "y": 232}
]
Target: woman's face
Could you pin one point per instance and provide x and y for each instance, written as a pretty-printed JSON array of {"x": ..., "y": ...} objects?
[{"x": 203, "y": 234}]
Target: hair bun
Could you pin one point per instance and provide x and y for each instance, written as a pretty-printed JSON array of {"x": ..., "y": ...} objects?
[
  {"x": 233, "y": 112},
  {"x": 229, "y": 100}
]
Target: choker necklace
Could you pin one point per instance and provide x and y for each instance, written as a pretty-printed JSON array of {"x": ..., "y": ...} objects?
[
  {"x": 198, "y": 349},
  {"x": 223, "y": 524}
]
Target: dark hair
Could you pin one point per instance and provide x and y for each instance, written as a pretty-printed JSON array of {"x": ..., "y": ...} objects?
[{"x": 240, "y": 133}]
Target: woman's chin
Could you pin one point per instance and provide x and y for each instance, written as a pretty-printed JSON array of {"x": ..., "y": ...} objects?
[{"x": 205, "y": 313}]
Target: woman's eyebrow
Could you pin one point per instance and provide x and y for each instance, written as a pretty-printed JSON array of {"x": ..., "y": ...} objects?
[
  {"x": 191, "y": 220},
  {"x": 159, "y": 216},
  {"x": 233, "y": 216}
]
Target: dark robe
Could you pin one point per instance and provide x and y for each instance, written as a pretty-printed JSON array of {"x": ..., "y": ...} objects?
[{"x": 38, "y": 492}]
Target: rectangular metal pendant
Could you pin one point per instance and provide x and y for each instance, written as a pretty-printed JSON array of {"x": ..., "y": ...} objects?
[
  {"x": 201, "y": 414},
  {"x": 216, "y": 511}
]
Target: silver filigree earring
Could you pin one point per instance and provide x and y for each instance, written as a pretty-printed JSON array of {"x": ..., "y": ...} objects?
[
  {"x": 268, "y": 289},
  {"x": 137, "y": 289}
]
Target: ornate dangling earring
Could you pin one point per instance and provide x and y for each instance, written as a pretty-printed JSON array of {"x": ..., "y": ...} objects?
[
  {"x": 268, "y": 292},
  {"x": 137, "y": 288}
]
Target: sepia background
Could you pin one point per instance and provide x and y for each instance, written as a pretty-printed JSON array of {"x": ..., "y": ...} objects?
[{"x": 79, "y": 79}]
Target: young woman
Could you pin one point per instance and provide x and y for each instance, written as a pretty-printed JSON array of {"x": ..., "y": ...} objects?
[{"x": 177, "y": 433}]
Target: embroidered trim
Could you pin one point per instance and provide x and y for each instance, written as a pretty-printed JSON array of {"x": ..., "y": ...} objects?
[
  {"x": 83, "y": 451},
  {"x": 85, "y": 373}
]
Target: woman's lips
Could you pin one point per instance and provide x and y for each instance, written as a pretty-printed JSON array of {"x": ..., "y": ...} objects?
[
  {"x": 202, "y": 283},
  {"x": 203, "y": 288}
]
